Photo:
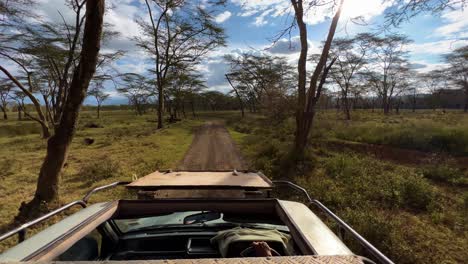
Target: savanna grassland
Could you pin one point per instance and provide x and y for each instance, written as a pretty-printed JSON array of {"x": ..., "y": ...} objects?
[
  {"x": 408, "y": 195},
  {"x": 125, "y": 146},
  {"x": 400, "y": 180}
]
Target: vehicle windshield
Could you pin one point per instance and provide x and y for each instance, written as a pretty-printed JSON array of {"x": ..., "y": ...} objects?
[{"x": 183, "y": 219}]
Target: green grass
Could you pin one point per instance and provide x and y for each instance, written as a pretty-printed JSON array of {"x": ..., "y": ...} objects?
[
  {"x": 413, "y": 213},
  {"x": 425, "y": 130},
  {"x": 126, "y": 146}
]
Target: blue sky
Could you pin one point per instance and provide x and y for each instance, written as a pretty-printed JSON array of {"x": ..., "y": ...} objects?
[{"x": 251, "y": 24}]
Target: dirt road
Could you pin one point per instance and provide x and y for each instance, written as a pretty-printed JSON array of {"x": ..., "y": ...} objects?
[{"x": 212, "y": 149}]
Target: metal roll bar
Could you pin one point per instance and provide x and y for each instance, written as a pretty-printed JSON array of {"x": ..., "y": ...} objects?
[
  {"x": 21, "y": 230},
  {"x": 342, "y": 224}
]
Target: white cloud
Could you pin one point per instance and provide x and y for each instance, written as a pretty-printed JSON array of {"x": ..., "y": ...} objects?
[
  {"x": 223, "y": 17},
  {"x": 260, "y": 20},
  {"x": 436, "y": 47},
  {"x": 290, "y": 46},
  {"x": 365, "y": 8},
  {"x": 265, "y": 10},
  {"x": 426, "y": 66},
  {"x": 456, "y": 23}
]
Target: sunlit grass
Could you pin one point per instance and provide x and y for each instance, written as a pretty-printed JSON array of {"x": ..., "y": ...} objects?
[
  {"x": 414, "y": 213},
  {"x": 125, "y": 146}
]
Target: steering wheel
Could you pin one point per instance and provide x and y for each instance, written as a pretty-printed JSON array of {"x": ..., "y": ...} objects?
[{"x": 250, "y": 252}]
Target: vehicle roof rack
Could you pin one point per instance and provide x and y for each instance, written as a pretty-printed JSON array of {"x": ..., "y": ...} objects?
[
  {"x": 83, "y": 202},
  {"x": 342, "y": 225}
]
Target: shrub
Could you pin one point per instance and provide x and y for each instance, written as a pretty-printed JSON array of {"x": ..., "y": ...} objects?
[
  {"x": 19, "y": 129},
  {"x": 416, "y": 193},
  {"x": 421, "y": 135},
  {"x": 100, "y": 169},
  {"x": 342, "y": 166},
  {"x": 376, "y": 227},
  {"x": 445, "y": 173},
  {"x": 465, "y": 201}
]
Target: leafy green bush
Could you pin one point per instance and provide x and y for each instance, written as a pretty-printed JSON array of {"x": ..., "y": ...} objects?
[
  {"x": 343, "y": 166},
  {"x": 445, "y": 173},
  {"x": 416, "y": 193}
]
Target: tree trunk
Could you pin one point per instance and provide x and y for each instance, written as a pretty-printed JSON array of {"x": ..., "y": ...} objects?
[
  {"x": 5, "y": 116},
  {"x": 98, "y": 111},
  {"x": 19, "y": 114},
  {"x": 465, "y": 109},
  {"x": 386, "y": 106},
  {"x": 306, "y": 103},
  {"x": 58, "y": 145},
  {"x": 45, "y": 131},
  {"x": 160, "y": 106},
  {"x": 183, "y": 110},
  {"x": 37, "y": 105},
  {"x": 193, "y": 108},
  {"x": 346, "y": 106},
  {"x": 241, "y": 104}
]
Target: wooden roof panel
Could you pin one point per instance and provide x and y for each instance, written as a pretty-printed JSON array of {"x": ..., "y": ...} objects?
[{"x": 190, "y": 179}]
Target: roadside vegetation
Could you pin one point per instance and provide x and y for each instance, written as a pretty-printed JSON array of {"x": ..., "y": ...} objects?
[
  {"x": 414, "y": 210},
  {"x": 124, "y": 146},
  {"x": 351, "y": 123}
]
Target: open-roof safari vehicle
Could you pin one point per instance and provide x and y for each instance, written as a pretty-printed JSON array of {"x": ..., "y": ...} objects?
[{"x": 193, "y": 217}]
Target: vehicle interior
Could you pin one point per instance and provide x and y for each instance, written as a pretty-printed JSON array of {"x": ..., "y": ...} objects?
[
  {"x": 187, "y": 223},
  {"x": 148, "y": 233}
]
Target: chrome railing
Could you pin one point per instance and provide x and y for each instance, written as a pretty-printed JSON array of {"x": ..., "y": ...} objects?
[
  {"x": 21, "y": 230},
  {"x": 342, "y": 224}
]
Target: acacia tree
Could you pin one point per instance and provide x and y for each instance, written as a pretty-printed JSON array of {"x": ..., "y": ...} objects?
[
  {"x": 138, "y": 91},
  {"x": 5, "y": 89},
  {"x": 47, "y": 55},
  {"x": 458, "y": 70},
  {"x": 404, "y": 10},
  {"x": 350, "y": 54},
  {"x": 97, "y": 91},
  {"x": 264, "y": 80},
  {"x": 47, "y": 189},
  {"x": 195, "y": 86},
  {"x": 432, "y": 82},
  {"x": 308, "y": 98},
  {"x": 184, "y": 84},
  {"x": 178, "y": 33},
  {"x": 388, "y": 66}
]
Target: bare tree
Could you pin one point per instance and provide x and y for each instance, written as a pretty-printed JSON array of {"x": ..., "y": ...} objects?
[
  {"x": 178, "y": 33},
  {"x": 47, "y": 189}
]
